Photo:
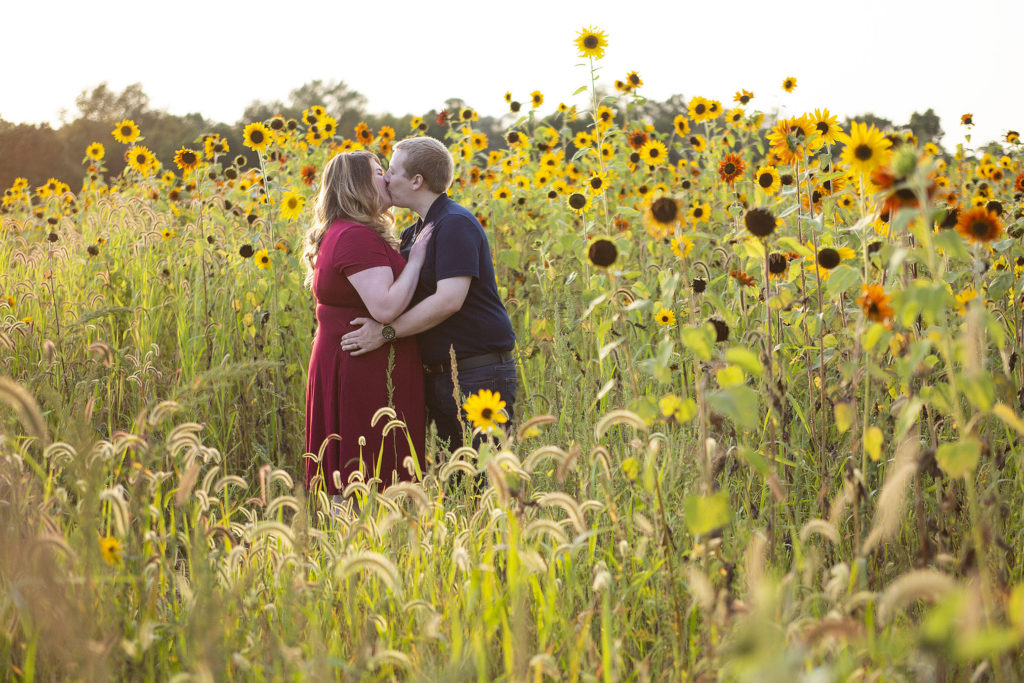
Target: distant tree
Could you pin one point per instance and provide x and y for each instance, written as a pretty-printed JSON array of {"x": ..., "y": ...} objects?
[
  {"x": 884, "y": 125},
  {"x": 926, "y": 126},
  {"x": 103, "y": 104}
]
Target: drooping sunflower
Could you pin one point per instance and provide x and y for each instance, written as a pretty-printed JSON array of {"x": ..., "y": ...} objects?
[
  {"x": 979, "y": 225},
  {"x": 682, "y": 125},
  {"x": 791, "y": 138},
  {"x": 743, "y": 96},
  {"x": 865, "y": 148},
  {"x": 654, "y": 153},
  {"x": 256, "y": 136},
  {"x": 789, "y": 84},
  {"x": 875, "y": 303},
  {"x": 186, "y": 159},
  {"x": 95, "y": 151},
  {"x": 662, "y": 214},
  {"x": 767, "y": 178},
  {"x": 591, "y": 42},
  {"x": 291, "y": 205},
  {"x": 141, "y": 159},
  {"x": 125, "y": 132},
  {"x": 967, "y": 119},
  {"x": 665, "y": 317},
  {"x": 760, "y": 221},
  {"x": 602, "y": 252},
  {"x": 827, "y": 125},
  {"x": 731, "y": 168}
]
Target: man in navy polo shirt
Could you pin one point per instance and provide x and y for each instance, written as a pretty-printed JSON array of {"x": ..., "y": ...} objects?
[{"x": 456, "y": 303}]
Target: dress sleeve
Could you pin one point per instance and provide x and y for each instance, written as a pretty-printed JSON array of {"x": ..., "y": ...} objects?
[
  {"x": 358, "y": 248},
  {"x": 460, "y": 254}
]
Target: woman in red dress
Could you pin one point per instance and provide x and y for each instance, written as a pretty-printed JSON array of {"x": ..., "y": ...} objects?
[{"x": 355, "y": 270}]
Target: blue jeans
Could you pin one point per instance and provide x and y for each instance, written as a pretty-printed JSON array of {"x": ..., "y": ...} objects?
[{"x": 441, "y": 408}]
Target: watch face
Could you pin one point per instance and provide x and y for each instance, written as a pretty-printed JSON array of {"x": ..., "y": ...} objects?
[{"x": 388, "y": 332}]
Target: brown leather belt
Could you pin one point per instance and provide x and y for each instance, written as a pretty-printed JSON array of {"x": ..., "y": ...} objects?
[{"x": 470, "y": 362}]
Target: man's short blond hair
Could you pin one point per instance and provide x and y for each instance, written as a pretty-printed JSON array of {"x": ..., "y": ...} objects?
[{"x": 429, "y": 158}]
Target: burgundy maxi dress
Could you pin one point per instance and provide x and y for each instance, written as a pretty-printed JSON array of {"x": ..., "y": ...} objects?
[{"x": 343, "y": 392}]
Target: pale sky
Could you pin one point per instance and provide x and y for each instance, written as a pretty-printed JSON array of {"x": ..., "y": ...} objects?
[{"x": 888, "y": 57}]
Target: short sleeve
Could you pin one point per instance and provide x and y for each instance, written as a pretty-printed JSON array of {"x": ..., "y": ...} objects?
[
  {"x": 358, "y": 248},
  {"x": 458, "y": 248}
]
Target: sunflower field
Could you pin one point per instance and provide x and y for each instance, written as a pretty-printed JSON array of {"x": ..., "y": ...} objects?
[{"x": 768, "y": 427}]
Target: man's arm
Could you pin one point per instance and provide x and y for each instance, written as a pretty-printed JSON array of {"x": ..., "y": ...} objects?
[{"x": 435, "y": 309}]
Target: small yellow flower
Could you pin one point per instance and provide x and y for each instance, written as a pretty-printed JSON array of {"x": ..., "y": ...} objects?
[
  {"x": 110, "y": 548},
  {"x": 485, "y": 409},
  {"x": 262, "y": 259},
  {"x": 631, "y": 468},
  {"x": 665, "y": 317},
  {"x": 291, "y": 205}
]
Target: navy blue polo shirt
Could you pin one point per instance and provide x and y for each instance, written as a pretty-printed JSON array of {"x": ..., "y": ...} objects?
[{"x": 458, "y": 246}]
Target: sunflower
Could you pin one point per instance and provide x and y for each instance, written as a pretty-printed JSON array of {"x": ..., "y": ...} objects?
[
  {"x": 187, "y": 159},
  {"x": 681, "y": 246},
  {"x": 582, "y": 139},
  {"x": 602, "y": 252},
  {"x": 968, "y": 294},
  {"x": 743, "y": 96},
  {"x": 167, "y": 234},
  {"x": 141, "y": 159},
  {"x": 875, "y": 303},
  {"x": 591, "y": 42},
  {"x": 501, "y": 193},
  {"x": 760, "y": 221},
  {"x": 256, "y": 136},
  {"x": 95, "y": 151},
  {"x": 767, "y": 178},
  {"x": 665, "y": 317},
  {"x": 125, "y": 132},
  {"x": 742, "y": 278},
  {"x": 789, "y": 84},
  {"x": 682, "y": 125},
  {"x": 979, "y": 225},
  {"x": 827, "y": 125},
  {"x": 662, "y": 213},
  {"x": 262, "y": 259},
  {"x": 734, "y": 116},
  {"x": 597, "y": 184},
  {"x": 637, "y": 138},
  {"x": 579, "y": 202},
  {"x": 698, "y": 143},
  {"x": 700, "y": 110},
  {"x": 865, "y": 148},
  {"x": 364, "y": 134},
  {"x": 291, "y": 205},
  {"x": 214, "y": 145},
  {"x": 731, "y": 168},
  {"x": 700, "y": 212},
  {"x": 791, "y": 138},
  {"x": 516, "y": 139},
  {"x": 536, "y": 98},
  {"x": 967, "y": 119},
  {"x": 654, "y": 153},
  {"x": 604, "y": 117},
  {"x": 110, "y": 550}
]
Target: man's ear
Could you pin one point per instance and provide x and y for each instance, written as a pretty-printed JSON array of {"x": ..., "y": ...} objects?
[{"x": 416, "y": 182}]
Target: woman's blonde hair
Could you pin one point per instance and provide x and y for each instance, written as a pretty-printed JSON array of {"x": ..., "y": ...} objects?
[{"x": 347, "y": 192}]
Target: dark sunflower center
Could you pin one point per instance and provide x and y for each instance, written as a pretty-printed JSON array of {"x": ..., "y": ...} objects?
[
  {"x": 822, "y": 127},
  {"x": 765, "y": 180},
  {"x": 730, "y": 168},
  {"x": 828, "y": 258},
  {"x": 873, "y": 308},
  {"x": 591, "y": 42},
  {"x": 664, "y": 210},
  {"x": 256, "y": 136},
  {"x": 700, "y": 109},
  {"x": 188, "y": 158},
  {"x": 125, "y": 130},
  {"x": 863, "y": 152},
  {"x": 744, "y": 99},
  {"x": 603, "y": 253},
  {"x": 577, "y": 201},
  {"x": 140, "y": 158},
  {"x": 653, "y": 153},
  {"x": 513, "y": 137},
  {"x": 596, "y": 183},
  {"x": 486, "y": 413},
  {"x": 695, "y": 141},
  {"x": 979, "y": 228},
  {"x": 634, "y": 79}
]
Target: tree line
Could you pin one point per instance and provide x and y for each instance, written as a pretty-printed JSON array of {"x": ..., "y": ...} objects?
[{"x": 39, "y": 151}]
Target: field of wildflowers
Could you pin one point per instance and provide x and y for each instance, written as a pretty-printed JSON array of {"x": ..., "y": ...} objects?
[{"x": 769, "y": 425}]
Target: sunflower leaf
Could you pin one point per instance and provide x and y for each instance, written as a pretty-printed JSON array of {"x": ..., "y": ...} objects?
[{"x": 841, "y": 279}]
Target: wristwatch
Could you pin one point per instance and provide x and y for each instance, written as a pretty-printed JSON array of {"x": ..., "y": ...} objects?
[{"x": 387, "y": 332}]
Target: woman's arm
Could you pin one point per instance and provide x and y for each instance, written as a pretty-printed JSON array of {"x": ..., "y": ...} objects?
[{"x": 386, "y": 297}]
